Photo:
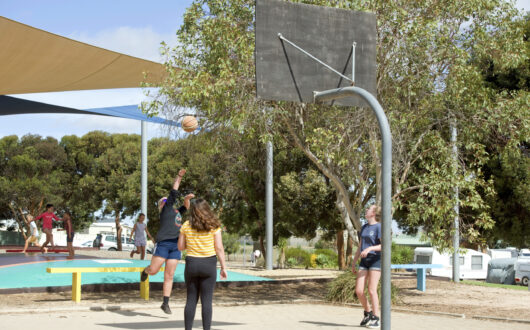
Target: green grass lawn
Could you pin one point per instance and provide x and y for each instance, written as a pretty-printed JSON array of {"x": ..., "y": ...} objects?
[{"x": 494, "y": 285}]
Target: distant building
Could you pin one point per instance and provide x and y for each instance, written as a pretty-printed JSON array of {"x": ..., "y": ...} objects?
[
  {"x": 412, "y": 241},
  {"x": 107, "y": 226}
]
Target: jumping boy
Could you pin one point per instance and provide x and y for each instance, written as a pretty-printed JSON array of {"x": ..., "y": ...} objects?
[{"x": 47, "y": 218}]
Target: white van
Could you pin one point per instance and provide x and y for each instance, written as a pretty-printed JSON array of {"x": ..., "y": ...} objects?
[
  {"x": 522, "y": 271},
  {"x": 109, "y": 242},
  {"x": 473, "y": 264}
]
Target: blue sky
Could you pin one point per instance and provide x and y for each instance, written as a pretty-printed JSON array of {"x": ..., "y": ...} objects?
[{"x": 133, "y": 27}]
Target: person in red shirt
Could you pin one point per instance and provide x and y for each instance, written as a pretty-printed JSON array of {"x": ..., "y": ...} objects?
[{"x": 47, "y": 218}]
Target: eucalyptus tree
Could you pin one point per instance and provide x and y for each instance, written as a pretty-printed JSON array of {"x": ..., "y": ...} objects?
[{"x": 426, "y": 79}]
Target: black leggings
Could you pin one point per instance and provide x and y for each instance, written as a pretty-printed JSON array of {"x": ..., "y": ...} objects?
[{"x": 200, "y": 275}]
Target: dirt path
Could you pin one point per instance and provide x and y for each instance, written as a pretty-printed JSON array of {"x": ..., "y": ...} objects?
[
  {"x": 441, "y": 296},
  {"x": 471, "y": 300}
]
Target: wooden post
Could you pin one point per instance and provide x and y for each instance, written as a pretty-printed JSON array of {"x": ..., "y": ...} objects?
[
  {"x": 144, "y": 288},
  {"x": 76, "y": 287}
]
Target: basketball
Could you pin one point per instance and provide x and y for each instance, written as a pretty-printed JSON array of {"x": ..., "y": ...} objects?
[{"x": 189, "y": 123}]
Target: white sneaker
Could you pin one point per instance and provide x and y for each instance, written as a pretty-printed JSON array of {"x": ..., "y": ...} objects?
[{"x": 373, "y": 323}]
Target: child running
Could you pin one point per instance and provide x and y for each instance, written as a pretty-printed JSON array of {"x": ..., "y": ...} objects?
[
  {"x": 139, "y": 231},
  {"x": 67, "y": 221},
  {"x": 47, "y": 218},
  {"x": 34, "y": 238}
]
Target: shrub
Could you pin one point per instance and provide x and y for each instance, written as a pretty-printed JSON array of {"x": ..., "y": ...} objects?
[
  {"x": 402, "y": 254},
  {"x": 301, "y": 257},
  {"x": 291, "y": 262},
  {"x": 230, "y": 243},
  {"x": 342, "y": 289},
  {"x": 313, "y": 260},
  {"x": 326, "y": 258},
  {"x": 323, "y": 244},
  {"x": 328, "y": 252},
  {"x": 324, "y": 261}
]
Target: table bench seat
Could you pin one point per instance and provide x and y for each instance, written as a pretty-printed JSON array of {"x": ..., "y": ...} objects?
[
  {"x": 77, "y": 271},
  {"x": 421, "y": 272}
]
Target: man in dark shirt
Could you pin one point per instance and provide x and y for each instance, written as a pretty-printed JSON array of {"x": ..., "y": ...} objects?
[{"x": 166, "y": 249}]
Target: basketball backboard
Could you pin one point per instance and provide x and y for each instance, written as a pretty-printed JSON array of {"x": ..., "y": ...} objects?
[{"x": 284, "y": 73}]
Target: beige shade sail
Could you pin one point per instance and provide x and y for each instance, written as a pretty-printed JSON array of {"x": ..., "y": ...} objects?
[{"x": 34, "y": 61}]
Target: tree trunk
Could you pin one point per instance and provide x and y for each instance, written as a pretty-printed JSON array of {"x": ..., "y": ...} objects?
[
  {"x": 340, "y": 249},
  {"x": 349, "y": 251},
  {"x": 20, "y": 224},
  {"x": 118, "y": 231},
  {"x": 281, "y": 260},
  {"x": 342, "y": 192},
  {"x": 26, "y": 222},
  {"x": 346, "y": 217},
  {"x": 375, "y": 148}
]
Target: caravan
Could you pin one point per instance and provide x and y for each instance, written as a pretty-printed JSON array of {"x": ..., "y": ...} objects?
[
  {"x": 522, "y": 271},
  {"x": 473, "y": 264}
]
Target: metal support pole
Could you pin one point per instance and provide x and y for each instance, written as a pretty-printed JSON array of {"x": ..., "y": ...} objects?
[
  {"x": 353, "y": 62},
  {"x": 244, "y": 251},
  {"x": 268, "y": 206},
  {"x": 456, "y": 224},
  {"x": 143, "y": 203},
  {"x": 386, "y": 189}
]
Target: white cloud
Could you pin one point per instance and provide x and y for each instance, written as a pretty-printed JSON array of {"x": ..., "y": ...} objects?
[{"x": 139, "y": 42}]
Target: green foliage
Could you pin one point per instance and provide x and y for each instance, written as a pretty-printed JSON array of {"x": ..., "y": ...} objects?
[
  {"x": 402, "y": 254},
  {"x": 327, "y": 252},
  {"x": 428, "y": 74},
  {"x": 495, "y": 285},
  {"x": 326, "y": 258},
  {"x": 324, "y": 244},
  {"x": 292, "y": 262},
  {"x": 326, "y": 261},
  {"x": 230, "y": 243},
  {"x": 342, "y": 290},
  {"x": 298, "y": 257}
]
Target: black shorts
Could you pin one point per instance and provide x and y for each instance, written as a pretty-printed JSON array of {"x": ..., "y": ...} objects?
[
  {"x": 371, "y": 262},
  {"x": 70, "y": 238}
]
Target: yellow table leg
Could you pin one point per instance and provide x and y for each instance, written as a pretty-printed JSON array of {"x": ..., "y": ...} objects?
[
  {"x": 76, "y": 287},
  {"x": 144, "y": 288}
]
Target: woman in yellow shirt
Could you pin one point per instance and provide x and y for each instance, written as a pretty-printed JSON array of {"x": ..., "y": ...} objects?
[{"x": 202, "y": 240}]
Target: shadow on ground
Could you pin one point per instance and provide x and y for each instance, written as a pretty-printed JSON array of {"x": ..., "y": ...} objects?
[{"x": 179, "y": 324}]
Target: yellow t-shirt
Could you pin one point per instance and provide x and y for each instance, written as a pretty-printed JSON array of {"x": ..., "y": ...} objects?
[{"x": 199, "y": 244}]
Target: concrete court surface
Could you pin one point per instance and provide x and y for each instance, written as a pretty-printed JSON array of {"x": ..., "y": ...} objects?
[{"x": 273, "y": 316}]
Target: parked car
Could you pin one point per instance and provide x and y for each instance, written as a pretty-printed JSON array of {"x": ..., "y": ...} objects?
[
  {"x": 109, "y": 242},
  {"x": 87, "y": 244},
  {"x": 522, "y": 271}
]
